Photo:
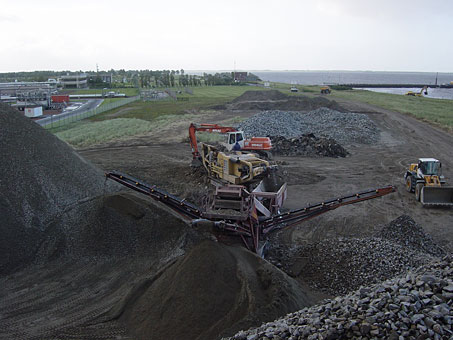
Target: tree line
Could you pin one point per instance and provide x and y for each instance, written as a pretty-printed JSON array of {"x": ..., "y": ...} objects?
[{"x": 136, "y": 78}]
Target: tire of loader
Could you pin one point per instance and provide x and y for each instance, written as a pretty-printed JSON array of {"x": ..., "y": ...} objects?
[
  {"x": 410, "y": 183},
  {"x": 418, "y": 191}
]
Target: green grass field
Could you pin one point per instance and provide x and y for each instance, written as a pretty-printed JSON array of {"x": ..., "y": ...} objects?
[
  {"x": 141, "y": 117},
  {"x": 435, "y": 111},
  {"x": 85, "y": 133},
  {"x": 202, "y": 99},
  {"x": 109, "y": 101}
]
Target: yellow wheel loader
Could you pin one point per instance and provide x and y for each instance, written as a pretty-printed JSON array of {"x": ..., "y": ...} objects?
[
  {"x": 325, "y": 90},
  {"x": 425, "y": 179}
]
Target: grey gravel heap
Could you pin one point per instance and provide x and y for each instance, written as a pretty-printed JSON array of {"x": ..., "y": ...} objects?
[
  {"x": 415, "y": 306},
  {"x": 404, "y": 230},
  {"x": 344, "y": 127},
  {"x": 274, "y": 123},
  {"x": 42, "y": 178},
  {"x": 307, "y": 145},
  {"x": 339, "y": 266}
]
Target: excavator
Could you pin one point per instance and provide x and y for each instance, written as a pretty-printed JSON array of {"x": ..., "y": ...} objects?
[
  {"x": 424, "y": 91},
  {"x": 234, "y": 138},
  {"x": 425, "y": 179}
]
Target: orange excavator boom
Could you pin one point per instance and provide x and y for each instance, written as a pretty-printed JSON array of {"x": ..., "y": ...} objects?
[
  {"x": 252, "y": 144},
  {"x": 205, "y": 127}
]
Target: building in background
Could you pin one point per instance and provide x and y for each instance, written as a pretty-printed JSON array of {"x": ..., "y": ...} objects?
[
  {"x": 100, "y": 80},
  {"x": 76, "y": 81},
  {"x": 33, "y": 111},
  {"x": 240, "y": 76}
]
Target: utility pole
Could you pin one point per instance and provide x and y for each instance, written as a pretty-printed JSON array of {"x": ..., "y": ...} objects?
[{"x": 234, "y": 72}]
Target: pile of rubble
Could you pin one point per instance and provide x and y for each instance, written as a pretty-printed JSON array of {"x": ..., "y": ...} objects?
[
  {"x": 405, "y": 231},
  {"x": 339, "y": 266},
  {"x": 417, "y": 305},
  {"x": 307, "y": 145},
  {"x": 273, "y": 123},
  {"x": 329, "y": 264},
  {"x": 344, "y": 127}
]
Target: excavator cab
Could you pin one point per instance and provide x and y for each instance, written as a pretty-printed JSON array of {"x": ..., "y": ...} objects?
[{"x": 233, "y": 138}]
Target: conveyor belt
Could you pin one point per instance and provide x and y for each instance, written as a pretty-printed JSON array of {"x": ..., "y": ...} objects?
[
  {"x": 250, "y": 231},
  {"x": 186, "y": 209},
  {"x": 296, "y": 216}
]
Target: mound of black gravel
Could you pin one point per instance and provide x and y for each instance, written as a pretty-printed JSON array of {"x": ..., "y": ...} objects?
[
  {"x": 339, "y": 266},
  {"x": 275, "y": 100},
  {"x": 307, "y": 145},
  {"x": 405, "y": 231},
  {"x": 41, "y": 178},
  {"x": 260, "y": 96},
  {"x": 414, "y": 306}
]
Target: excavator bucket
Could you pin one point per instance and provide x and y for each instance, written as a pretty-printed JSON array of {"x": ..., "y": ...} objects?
[
  {"x": 440, "y": 196},
  {"x": 196, "y": 163}
]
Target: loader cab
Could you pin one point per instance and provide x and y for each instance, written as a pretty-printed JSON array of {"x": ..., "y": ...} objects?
[
  {"x": 429, "y": 166},
  {"x": 233, "y": 137}
]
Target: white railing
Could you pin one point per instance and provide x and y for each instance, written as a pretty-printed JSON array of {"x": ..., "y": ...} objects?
[{"x": 69, "y": 117}]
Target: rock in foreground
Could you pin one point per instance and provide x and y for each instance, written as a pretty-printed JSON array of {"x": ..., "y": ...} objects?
[{"x": 415, "y": 306}]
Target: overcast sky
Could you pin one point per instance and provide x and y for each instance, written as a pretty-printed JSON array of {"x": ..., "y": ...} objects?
[{"x": 380, "y": 35}]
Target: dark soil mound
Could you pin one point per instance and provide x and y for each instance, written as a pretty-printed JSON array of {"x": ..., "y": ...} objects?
[
  {"x": 275, "y": 100},
  {"x": 115, "y": 226},
  {"x": 42, "y": 177},
  {"x": 260, "y": 96},
  {"x": 404, "y": 230},
  {"x": 307, "y": 145},
  {"x": 214, "y": 291}
]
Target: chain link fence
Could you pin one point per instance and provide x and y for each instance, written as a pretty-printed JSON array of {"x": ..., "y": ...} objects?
[{"x": 70, "y": 117}]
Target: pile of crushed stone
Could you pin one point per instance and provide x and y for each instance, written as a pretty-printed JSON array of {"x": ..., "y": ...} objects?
[
  {"x": 344, "y": 127},
  {"x": 213, "y": 291},
  {"x": 118, "y": 225},
  {"x": 417, "y": 305},
  {"x": 57, "y": 205},
  {"x": 307, "y": 145},
  {"x": 275, "y": 100},
  {"x": 405, "y": 231},
  {"x": 44, "y": 178},
  {"x": 339, "y": 266}
]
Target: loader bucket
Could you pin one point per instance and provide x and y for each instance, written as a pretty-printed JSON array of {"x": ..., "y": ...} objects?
[{"x": 441, "y": 196}]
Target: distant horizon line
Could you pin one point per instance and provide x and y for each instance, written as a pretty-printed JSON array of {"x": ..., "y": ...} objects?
[
  {"x": 237, "y": 70},
  {"x": 249, "y": 70}
]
